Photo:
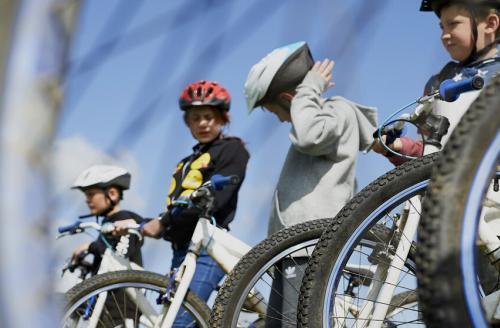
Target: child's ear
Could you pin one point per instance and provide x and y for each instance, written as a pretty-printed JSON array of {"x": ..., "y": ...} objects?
[
  {"x": 114, "y": 193},
  {"x": 286, "y": 96},
  {"x": 492, "y": 23}
]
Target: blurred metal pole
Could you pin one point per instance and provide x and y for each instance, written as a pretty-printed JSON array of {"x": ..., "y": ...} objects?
[{"x": 34, "y": 38}]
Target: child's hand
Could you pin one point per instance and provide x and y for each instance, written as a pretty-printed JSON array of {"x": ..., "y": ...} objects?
[
  {"x": 121, "y": 227},
  {"x": 325, "y": 69},
  {"x": 397, "y": 145},
  {"x": 81, "y": 248}
]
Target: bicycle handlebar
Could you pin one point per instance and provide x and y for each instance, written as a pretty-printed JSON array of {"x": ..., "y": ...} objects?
[
  {"x": 218, "y": 181},
  {"x": 79, "y": 226},
  {"x": 450, "y": 90},
  {"x": 430, "y": 124},
  {"x": 203, "y": 197},
  {"x": 69, "y": 228}
]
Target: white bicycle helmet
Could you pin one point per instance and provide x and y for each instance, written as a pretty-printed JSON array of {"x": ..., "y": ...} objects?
[
  {"x": 103, "y": 176},
  {"x": 282, "y": 68}
]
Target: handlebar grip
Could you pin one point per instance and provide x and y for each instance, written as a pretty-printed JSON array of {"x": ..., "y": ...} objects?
[
  {"x": 219, "y": 181},
  {"x": 393, "y": 130},
  {"x": 392, "y": 135},
  {"x": 450, "y": 90},
  {"x": 68, "y": 228}
]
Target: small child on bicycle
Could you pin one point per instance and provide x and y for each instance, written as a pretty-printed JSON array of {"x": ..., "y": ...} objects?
[
  {"x": 103, "y": 186},
  {"x": 206, "y": 107},
  {"x": 470, "y": 34},
  {"x": 318, "y": 176}
]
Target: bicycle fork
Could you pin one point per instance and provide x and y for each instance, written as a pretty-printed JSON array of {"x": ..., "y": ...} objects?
[{"x": 387, "y": 274}]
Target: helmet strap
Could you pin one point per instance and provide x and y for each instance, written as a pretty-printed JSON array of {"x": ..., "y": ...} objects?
[
  {"x": 112, "y": 204},
  {"x": 475, "y": 53}
]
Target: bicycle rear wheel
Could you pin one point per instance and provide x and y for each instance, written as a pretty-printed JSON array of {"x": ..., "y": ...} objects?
[
  {"x": 453, "y": 271},
  {"x": 340, "y": 287},
  {"x": 121, "y": 306}
]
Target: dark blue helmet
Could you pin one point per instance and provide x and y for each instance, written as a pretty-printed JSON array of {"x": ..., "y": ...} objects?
[{"x": 436, "y": 5}]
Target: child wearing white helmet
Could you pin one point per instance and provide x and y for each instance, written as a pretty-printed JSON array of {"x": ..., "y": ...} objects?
[
  {"x": 326, "y": 135},
  {"x": 103, "y": 186}
]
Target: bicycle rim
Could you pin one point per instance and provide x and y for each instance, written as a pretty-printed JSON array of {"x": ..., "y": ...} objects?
[{"x": 118, "y": 309}]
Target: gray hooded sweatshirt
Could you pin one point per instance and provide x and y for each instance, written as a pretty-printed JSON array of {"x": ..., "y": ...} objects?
[{"x": 318, "y": 175}]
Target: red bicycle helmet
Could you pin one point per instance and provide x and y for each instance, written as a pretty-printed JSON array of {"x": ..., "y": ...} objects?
[{"x": 205, "y": 93}]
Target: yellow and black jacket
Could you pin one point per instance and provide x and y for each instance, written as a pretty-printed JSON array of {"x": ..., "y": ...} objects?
[{"x": 225, "y": 156}]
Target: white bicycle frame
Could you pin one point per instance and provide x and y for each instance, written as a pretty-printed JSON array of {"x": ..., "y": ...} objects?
[{"x": 224, "y": 248}]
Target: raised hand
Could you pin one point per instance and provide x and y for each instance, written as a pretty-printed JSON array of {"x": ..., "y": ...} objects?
[{"x": 325, "y": 69}]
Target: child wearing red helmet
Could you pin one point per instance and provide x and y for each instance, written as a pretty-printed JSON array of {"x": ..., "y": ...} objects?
[{"x": 206, "y": 107}]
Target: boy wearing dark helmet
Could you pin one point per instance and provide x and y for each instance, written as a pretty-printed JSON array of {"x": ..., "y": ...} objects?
[
  {"x": 470, "y": 34},
  {"x": 206, "y": 111},
  {"x": 317, "y": 178}
]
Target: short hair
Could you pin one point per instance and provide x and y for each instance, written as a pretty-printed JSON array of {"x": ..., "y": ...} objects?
[{"x": 224, "y": 115}]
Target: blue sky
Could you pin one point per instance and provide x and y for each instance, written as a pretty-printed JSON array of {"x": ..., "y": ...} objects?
[{"x": 130, "y": 61}]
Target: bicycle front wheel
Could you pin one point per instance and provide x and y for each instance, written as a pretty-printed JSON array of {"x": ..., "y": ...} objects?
[
  {"x": 459, "y": 236},
  {"x": 126, "y": 299},
  {"x": 346, "y": 278}
]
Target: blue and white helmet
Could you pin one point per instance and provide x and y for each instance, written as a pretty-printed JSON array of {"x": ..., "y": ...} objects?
[
  {"x": 103, "y": 176},
  {"x": 282, "y": 66}
]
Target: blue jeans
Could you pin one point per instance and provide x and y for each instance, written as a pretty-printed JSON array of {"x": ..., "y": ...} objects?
[{"x": 205, "y": 279}]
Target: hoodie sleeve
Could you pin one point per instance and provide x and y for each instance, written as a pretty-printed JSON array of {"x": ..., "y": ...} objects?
[
  {"x": 318, "y": 124},
  {"x": 314, "y": 129}
]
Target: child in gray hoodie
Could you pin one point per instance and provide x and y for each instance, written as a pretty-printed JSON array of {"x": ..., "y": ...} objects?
[{"x": 318, "y": 176}]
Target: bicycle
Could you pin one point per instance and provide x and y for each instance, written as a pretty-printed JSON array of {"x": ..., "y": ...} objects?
[
  {"x": 103, "y": 310},
  {"x": 458, "y": 236},
  {"x": 161, "y": 309},
  {"x": 331, "y": 295}
]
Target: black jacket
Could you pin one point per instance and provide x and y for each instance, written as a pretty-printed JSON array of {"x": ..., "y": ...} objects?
[
  {"x": 225, "y": 156},
  {"x": 98, "y": 246}
]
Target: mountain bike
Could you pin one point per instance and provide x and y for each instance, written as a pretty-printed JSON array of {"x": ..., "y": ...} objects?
[
  {"x": 459, "y": 246},
  {"x": 384, "y": 295},
  {"x": 114, "y": 307},
  {"x": 156, "y": 298}
]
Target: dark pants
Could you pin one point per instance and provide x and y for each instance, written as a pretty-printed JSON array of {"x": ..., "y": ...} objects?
[
  {"x": 284, "y": 298},
  {"x": 205, "y": 280}
]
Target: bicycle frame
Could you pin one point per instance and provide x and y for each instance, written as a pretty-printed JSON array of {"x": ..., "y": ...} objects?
[{"x": 224, "y": 248}]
